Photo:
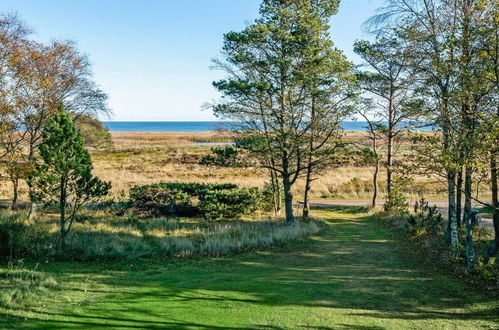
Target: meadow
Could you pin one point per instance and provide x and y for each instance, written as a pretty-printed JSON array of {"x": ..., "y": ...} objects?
[
  {"x": 140, "y": 158},
  {"x": 253, "y": 272},
  {"x": 351, "y": 275}
]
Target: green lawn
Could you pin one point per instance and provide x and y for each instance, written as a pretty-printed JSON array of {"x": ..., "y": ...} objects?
[{"x": 350, "y": 276}]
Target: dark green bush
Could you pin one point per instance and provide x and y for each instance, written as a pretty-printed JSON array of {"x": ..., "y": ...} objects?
[
  {"x": 186, "y": 199},
  {"x": 160, "y": 200},
  {"x": 227, "y": 156},
  {"x": 230, "y": 203},
  {"x": 396, "y": 200},
  {"x": 425, "y": 220}
]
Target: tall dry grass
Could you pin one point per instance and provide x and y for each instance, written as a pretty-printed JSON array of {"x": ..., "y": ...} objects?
[{"x": 141, "y": 158}]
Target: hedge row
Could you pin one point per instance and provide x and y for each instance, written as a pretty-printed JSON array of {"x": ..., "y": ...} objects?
[{"x": 211, "y": 201}]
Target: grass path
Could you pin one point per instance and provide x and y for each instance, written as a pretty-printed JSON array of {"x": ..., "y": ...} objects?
[{"x": 350, "y": 276}]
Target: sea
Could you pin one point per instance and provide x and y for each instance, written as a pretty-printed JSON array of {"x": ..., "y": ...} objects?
[{"x": 194, "y": 126}]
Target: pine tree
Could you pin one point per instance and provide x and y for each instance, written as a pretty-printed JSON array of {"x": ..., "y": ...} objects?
[
  {"x": 65, "y": 176},
  {"x": 286, "y": 86}
]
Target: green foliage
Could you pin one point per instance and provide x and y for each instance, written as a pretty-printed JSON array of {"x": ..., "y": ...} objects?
[
  {"x": 288, "y": 52},
  {"x": 162, "y": 200},
  {"x": 66, "y": 172},
  {"x": 397, "y": 200},
  {"x": 230, "y": 203},
  {"x": 212, "y": 201},
  {"x": 426, "y": 220},
  {"x": 95, "y": 134},
  {"x": 227, "y": 156},
  {"x": 269, "y": 192}
]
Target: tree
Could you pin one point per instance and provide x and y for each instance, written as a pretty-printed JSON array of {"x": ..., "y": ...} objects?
[
  {"x": 490, "y": 130},
  {"x": 65, "y": 176},
  {"x": 388, "y": 82},
  {"x": 50, "y": 75},
  {"x": 328, "y": 85},
  {"x": 371, "y": 155},
  {"x": 13, "y": 37},
  {"x": 447, "y": 36},
  {"x": 95, "y": 134},
  {"x": 267, "y": 89}
]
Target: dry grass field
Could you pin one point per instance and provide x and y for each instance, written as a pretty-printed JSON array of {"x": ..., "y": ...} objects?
[
  {"x": 151, "y": 157},
  {"x": 140, "y": 158}
]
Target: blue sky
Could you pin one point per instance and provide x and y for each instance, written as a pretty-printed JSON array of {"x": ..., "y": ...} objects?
[{"x": 153, "y": 57}]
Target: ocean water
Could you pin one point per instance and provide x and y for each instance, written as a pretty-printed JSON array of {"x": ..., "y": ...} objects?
[{"x": 193, "y": 126}]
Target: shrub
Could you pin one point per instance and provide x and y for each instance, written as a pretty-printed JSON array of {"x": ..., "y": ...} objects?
[
  {"x": 230, "y": 203},
  {"x": 425, "y": 220},
  {"x": 396, "y": 200},
  {"x": 227, "y": 156},
  {"x": 212, "y": 201},
  {"x": 160, "y": 200}
]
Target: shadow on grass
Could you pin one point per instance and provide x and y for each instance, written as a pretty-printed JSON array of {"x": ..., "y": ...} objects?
[
  {"x": 352, "y": 265},
  {"x": 343, "y": 209}
]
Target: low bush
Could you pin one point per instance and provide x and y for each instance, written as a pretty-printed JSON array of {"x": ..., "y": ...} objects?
[
  {"x": 227, "y": 156},
  {"x": 211, "y": 201},
  {"x": 161, "y": 200},
  {"x": 230, "y": 203},
  {"x": 426, "y": 220}
]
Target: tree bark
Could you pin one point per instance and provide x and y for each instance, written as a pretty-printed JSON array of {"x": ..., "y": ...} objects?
[
  {"x": 494, "y": 246},
  {"x": 459, "y": 197},
  {"x": 31, "y": 159},
  {"x": 276, "y": 193},
  {"x": 15, "y": 193},
  {"x": 288, "y": 197},
  {"x": 389, "y": 164},
  {"x": 375, "y": 184},
  {"x": 452, "y": 222},
  {"x": 376, "y": 168},
  {"x": 306, "y": 202},
  {"x": 62, "y": 211},
  {"x": 470, "y": 255}
]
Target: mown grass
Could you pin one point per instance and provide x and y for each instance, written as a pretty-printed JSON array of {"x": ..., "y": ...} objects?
[{"x": 350, "y": 276}]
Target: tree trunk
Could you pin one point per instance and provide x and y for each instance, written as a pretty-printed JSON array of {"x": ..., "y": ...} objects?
[
  {"x": 32, "y": 211},
  {"x": 306, "y": 202},
  {"x": 375, "y": 184},
  {"x": 276, "y": 193},
  {"x": 459, "y": 197},
  {"x": 62, "y": 211},
  {"x": 278, "y": 196},
  {"x": 15, "y": 192},
  {"x": 451, "y": 233},
  {"x": 31, "y": 159},
  {"x": 389, "y": 164},
  {"x": 288, "y": 197},
  {"x": 470, "y": 255},
  {"x": 494, "y": 246},
  {"x": 470, "y": 250}
]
